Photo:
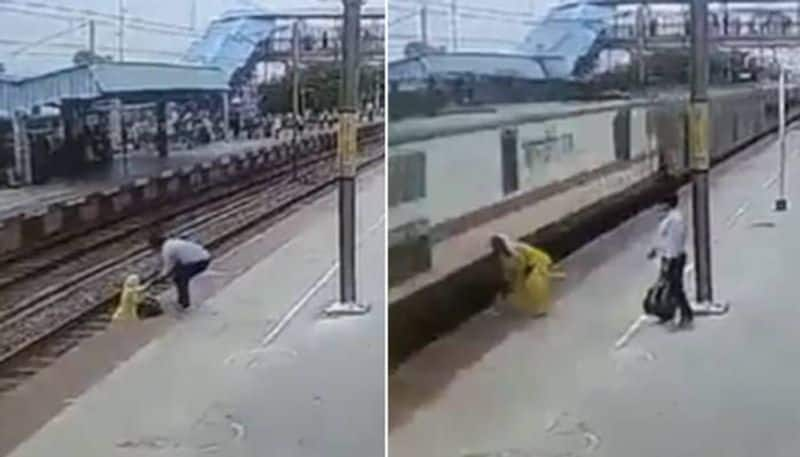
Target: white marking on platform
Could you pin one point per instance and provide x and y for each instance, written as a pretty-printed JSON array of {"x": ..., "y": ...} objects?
[
  {"x": 318, "y": 284},
  {"x": 321, "y": 281},
  {"x": 738, "y": 214},
  {"x": 592, "y": 440},
  {"x": 215, "y": 272},
  {"x": 238, "y": 429},
  {"x": 241, "y": 247},
  {"x": 632, "y": 329},
  {"x": 251, "y": 355}
]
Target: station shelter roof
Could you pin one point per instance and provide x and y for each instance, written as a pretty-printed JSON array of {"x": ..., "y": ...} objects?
[
  {"x": 90, "y": 82},
  {"x": 474, "y": 63},
  {"x": 229, "y": 41}
]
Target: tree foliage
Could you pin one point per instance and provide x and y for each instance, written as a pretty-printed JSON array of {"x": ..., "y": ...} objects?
[
  {"x": 321, "y": 84},
  {"x": 673, "y": 67}
]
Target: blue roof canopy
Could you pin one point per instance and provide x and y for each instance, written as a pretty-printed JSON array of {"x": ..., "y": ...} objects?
[
  {"x": 229, "y": 41},
  {"x": 474, "y": 63},
  {"x": 134, "y": 77},
  {"x": 569, "y": 30},
  {"x": 108, "y": 79}
]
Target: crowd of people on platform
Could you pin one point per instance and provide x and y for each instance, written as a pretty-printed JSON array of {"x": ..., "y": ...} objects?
[
  {"x": 726, "y": 25},
  {"x": 188, "y": 125}
]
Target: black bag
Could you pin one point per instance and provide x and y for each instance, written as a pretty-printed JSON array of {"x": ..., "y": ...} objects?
[
  {"x": 659, "y": 301},
  {"x": 149, "y": 308}
]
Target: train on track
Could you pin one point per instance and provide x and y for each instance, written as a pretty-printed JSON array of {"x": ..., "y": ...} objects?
[
  {"x": 553, "y": 142},
  {"x": 576, "y": 170},
  {"x": 737, "y": 117}
]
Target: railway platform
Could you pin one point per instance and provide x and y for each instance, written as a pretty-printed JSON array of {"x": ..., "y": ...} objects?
[
  {"x": 138, "y": 164},
  {"x": 569, "y": 385},
  {"x": 254, "y": 369}
]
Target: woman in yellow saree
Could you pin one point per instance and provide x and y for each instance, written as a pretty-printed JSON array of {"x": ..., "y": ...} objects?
[
  {"x": 134, "y": 302},
  {"x": 527, "y": 273},
  {"x": 130, "y": 299}
]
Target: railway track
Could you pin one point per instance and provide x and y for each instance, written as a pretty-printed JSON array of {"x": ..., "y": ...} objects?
[
  {"x": 76, "y": 283},
  {"x": 77, "y": 254},
  {"x": 55, "y": 257}
]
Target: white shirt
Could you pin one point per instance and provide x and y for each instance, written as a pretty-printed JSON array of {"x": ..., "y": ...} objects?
[
  {"x": 181, "y": 252},
  {"x": 672, "y": 235}
]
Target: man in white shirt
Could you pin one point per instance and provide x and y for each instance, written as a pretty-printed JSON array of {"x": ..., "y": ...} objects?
[
  {"x": 671, "y": 246},
  {"x": 183, "y": 260}
]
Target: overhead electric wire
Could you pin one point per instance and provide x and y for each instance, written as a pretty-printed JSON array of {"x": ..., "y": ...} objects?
[
  {"x": 38, "y": 14},
  {"x": 81, "y": 46},
  {"x": 84, "y": 12},
  {"x": 47, "y": 38},
  {"x": 177, "y": 33},
  {"x": 467, "y": 7},
  {"x": 101, "y": 22},
  {"x": 444, "y": 38},
  {"x": 68, "y": 55},
  {"x": 13, "y": 42},
  {"x": 467, "y": 14},
  {"x": 406, "y": 17},
  {"x": 483, "y": 17},
  {"x": 62, "y": 13}
]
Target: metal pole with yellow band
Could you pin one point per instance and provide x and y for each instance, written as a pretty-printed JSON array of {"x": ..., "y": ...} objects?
[
  {"x": 347, "y": 155},
  {"x": 781, "y": 203},
  {"x": 700, "y": 159},
  {"x": 698, "y": 150}
]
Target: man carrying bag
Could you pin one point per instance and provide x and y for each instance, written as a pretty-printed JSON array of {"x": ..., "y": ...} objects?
[{"x": 667, "y": 294}]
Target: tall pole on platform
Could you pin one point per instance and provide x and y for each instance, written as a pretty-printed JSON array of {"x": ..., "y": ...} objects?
[
  {"x": 295, "y": 93},
  {"x": 423, "y": 23},
  {"x": 296, "y": 69},
  {"x": 121, "y": 31},
  {"x": 92, "y": 41},
  {"x": 641, "y": 31},
  {"x": 454, "y": 24},
  {"x": 781, "y": 203},
  {"x": 348, "y": 127},
  {"x": 700, "y": 159}
]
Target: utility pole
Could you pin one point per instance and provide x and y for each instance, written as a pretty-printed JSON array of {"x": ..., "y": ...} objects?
[
  {"x": 121, "y": 32},
  {"x": 337, "y": 43},
  {"x": 781, "y": 203},
  {"x": 295, "y": 93},
  {"x": 423, "y": 22},
  {"x": 348, "y": 128},
  {"x": 700, "y": 158},
  {"x": 193, "y": 15},
  {"x": 725, "y": 18},
  {"x": 454, "y": 24},
  {"x": 797, "y": 19},
  {"x": 378, "y": 97},
  {"x": 296, "y": 68},
  {"x": 92, "y": 45},
  {"x": 641, "y": 31}
]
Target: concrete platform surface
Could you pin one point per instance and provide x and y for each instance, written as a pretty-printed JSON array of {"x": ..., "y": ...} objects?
[
  {"x": 139, "y": 164},
  {"x": 255, "y": 370},
  {"x": 505, "y": 385}
]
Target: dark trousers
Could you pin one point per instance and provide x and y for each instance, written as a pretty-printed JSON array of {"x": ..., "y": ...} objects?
[
  {"x": 183, "y": 274},
  {"x": 673, "y": 272}
]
